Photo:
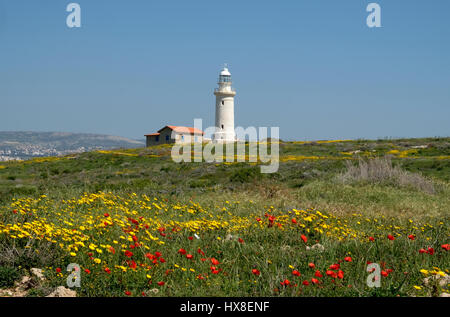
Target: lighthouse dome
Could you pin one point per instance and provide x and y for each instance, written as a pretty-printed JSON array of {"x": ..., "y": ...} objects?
[{"x": 225, "y": 72}]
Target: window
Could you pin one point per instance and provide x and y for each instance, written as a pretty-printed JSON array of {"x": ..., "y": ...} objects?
[
  {"x": 157, "y": 138},
  {"x": 222, "y": 126},
  {"x": 182, "y": 138},
  {"x": 167, "y": 137},
  {"x": 223, "y": 102}
]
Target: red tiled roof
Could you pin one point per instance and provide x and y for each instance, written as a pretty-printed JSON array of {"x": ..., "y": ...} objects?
[
  {"x": 153, "y": 134},
  {"x": 183, "y": 129}
]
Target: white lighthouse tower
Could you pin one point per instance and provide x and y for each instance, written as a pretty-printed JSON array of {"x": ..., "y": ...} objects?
[{"x": 224, "y": 108}]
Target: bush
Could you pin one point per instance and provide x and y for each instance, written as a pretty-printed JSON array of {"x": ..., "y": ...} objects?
[
  {"x": 381, "y": 171},
  {"x": 245, "y": 175},
  {"x": 8, "y": 275}
]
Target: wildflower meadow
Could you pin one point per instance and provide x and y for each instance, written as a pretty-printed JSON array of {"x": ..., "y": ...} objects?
[{"x": 137, "y": 224}]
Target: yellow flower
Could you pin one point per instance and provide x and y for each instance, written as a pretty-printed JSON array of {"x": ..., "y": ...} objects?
[
  {"x": 98, "y": 261},
  {"x": 417, "y": 287},
  {"x": 73, "y": 254}
]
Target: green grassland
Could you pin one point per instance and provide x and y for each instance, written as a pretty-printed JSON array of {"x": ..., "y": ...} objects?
[
  {"x": 308, "y": 181},
  {"x": 310, "y": 178}
]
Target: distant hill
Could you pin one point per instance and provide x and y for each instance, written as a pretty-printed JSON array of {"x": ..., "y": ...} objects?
[{"x": 25, "y": 145}]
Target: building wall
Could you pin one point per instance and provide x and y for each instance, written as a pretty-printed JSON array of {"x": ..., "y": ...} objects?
[
  {"x": 152, "y": 140},
  {"x": 165, "y": 137},
  {"x": 224, "y": 116}
]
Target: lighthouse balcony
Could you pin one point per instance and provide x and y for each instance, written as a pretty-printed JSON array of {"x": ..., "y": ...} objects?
[{"x": 223, "y": 92}]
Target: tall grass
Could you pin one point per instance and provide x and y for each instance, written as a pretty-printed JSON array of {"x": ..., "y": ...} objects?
[{"x": 381, "y": 171}]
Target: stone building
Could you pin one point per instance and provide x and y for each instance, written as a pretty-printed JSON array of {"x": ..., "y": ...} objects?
[{"x": 175, "y": 134}]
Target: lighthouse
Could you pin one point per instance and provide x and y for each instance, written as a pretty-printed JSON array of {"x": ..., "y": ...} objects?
[{"x": 224, "y": 108}]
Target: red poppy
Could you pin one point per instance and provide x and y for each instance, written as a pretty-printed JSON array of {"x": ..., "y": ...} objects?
[
  {"x": 200, "y": 277},
  {"x": 241, "y": 240},
  {"x": 158, "y": 254},
  {"x": 296, "y": 273},
  {"x": 446, "y": 247},
  {"x": 106, "y": 214},
  {"x": 258, "y": 219},
  {"x": 286, "y": 282},
  {"x": 304, "y": 238},
  {"x": 199, "y": 251},
  {"x": 312, "y": 265},
  {"x": 340, "y": 274},
  {"x": 58, "y": 270},
  {"x": 384, "y": 273},
  {"x": 390, "y": 237},
  {"x": 161, "y": 283},
  {"x": 135, "y": 239},
  {"x": 334, "y": 267},
  {"x": 294, "y": 220},
  {"x": 271, "y": 219},
  {"x": 15, "y": 211},
  {"x": 128, "y": 293},
  {"x": 331, "y": 274},
  {"x": 422, "y": 251},
  {"x": 189, "y": 256},
  {"x": 411, "y": 237},
  {"x": 132, "y": 264},
  {"x": 318, "y": 274},
  {"x": 306, "y": 283},
  {"x": 87, "y": 271},
  {"x": 111, "y": 249},
  {"x": 215, "y": 271},
  {"x": 430, "y": 251},
  {"x": 107, "y": 270},
  {"x": 214, "y": 261},
  {"x": 372, "y": 239},
  {"x": 256, "y": 272},
  {"x": 182, "y": 251},
  {"x": 128, "y": 253},
  {"x": 191, "y": 238},
  {"x": 162, "y": 260},
  {"x": 315, "y": 281},
  {"x": 133, "y": 221}
]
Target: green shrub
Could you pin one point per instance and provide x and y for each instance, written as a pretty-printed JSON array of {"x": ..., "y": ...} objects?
[
  {"x": 246, "y": 175},
  {"x": 8, "y": 275}
]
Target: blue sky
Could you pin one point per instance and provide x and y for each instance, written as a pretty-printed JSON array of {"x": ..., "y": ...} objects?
[{"x": 312, "y": 68}]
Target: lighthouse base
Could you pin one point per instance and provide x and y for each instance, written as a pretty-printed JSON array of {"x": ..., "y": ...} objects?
[{"x": 224, "y": 137}]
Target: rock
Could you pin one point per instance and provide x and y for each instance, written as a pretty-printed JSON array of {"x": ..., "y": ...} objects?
[
  {"x": 285, "y": 248},
  {"x": 443, "y": 280},
  {"x": 61, "y": 291},
  {"x": 25, "y": 283},
  {"x": 445, "y": 295},
  {"x": 229, "y": 237},
  {"x": 6, "y": 293},
  {"x": 38, "y": 273},
  {"x": 316, "y": 247}
]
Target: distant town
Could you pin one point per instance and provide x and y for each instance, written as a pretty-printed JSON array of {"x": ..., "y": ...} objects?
[{"x": 27, "y": 145}]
